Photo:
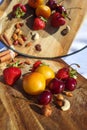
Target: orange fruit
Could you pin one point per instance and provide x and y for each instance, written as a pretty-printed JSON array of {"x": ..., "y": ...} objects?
[
  {"x": 47, "y": 72},
  {"x": 34, "y": 83},
  {"x": 43, "y": 10},
  {"x": 35, "y": 3}
]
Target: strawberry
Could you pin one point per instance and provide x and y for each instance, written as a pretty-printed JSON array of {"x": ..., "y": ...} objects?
[
  {"x": 36, "y": 64},
  {"x": 67, "y": 72},
  {"x": 63, "y": 73},
  {"x": 57, "y": 20},
  {"x": 19, "y": 10},
  {"x": 39, "y": 23},
  {"x": 11, "y": 75}
]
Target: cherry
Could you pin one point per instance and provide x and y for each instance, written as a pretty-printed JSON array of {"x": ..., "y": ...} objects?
[
  {"x": 57, "y": 20},
  {"x": 45, "y": 97},
  {"x": 61, "y": 9},
  {"x": 70, "y": 84},
  {"x": 56, "y": 86},
  {"x": 52, "y": 4}
]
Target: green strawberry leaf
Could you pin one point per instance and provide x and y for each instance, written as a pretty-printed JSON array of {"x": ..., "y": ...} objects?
[{"x": 43, "y": 19}]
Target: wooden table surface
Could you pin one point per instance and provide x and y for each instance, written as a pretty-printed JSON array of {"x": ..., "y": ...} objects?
[
  {"x": 21, "y": 114},
  {"x": 18, "y": 110}
]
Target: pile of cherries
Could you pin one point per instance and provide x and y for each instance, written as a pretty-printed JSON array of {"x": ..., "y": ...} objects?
[
  {"x": 58, "y": 7},
  {"x": 65, "y": 80}
]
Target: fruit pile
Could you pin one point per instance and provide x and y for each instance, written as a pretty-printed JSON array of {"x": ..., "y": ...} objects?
[
  {"x": 45, "y": 83},
  {"x": 50, "y": 86},
  {"x": 51, "y": 10}
]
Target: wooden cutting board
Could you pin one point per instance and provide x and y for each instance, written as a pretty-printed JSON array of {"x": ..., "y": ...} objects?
[
  {"x": 3, "y": 6},
  {"x": 51, "y": 40},
  {"x": 18, "y": 110}
]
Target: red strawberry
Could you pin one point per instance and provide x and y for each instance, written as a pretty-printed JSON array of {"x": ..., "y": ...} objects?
[
  {"x": 11, "y": 75},
  {"x": 36, "y": 64},
  {"x": 67, "y": 72},
  {"x": 57, "y": 20},
  {"x": 63, "y": 73},
  {"x": 19, "y": 10},
  {"x": 39, "y": 23}
]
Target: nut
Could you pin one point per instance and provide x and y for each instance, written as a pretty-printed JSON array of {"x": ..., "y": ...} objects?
[
  {"x": 65, "y": 31},
  {"x": 17, "y": 30},
  {"x": 17, "y": 25},
  {"x": 59, "y": 100},
  {"x": 15, "y": 37},
  {"x": 69, "y": 94},
  {"x": 20, "y": 40},
  {"x": 38, "y": 47},
  {"x": 20, "y": 32},
  {"x": 27, "y": 62},
  {"x": 28, "y": 44},
  {"x": 24, "y": 38},
  {"x": 35, "y": 35},
  {"x": 66, "y": 105},
  {"x": 59, "y": 97},
  {"x": 15, "y": 42},
  {"x": 60, "y": 103},
  {"x": 47, "y": 110}
]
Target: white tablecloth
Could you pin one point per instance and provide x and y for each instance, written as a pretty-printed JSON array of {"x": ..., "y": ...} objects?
[{"x": 81, "y": 57}]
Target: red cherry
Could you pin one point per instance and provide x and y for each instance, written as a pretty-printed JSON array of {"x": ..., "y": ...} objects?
[
  {"x": 70, "y": 84},
  {"x": 45, "y": 97},
  {"x": 61, "y": 9},
  {"x": 56, "y": 86},
  {"x": 52, "y": 4}
]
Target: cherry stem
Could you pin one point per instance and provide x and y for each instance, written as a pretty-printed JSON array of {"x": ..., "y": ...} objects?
[
  {"x": 60, "y": 1},
  {"x": 68, "y": 17},
  {"x": 73, "y": 8},
  {"x": 75, "y": 64},
  {"x": 69, "y": 9}
]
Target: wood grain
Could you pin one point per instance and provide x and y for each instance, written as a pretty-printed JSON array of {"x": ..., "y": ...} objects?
[
  {"x": 3, "y": 6},
  {"x": 21, "y": 111}
]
